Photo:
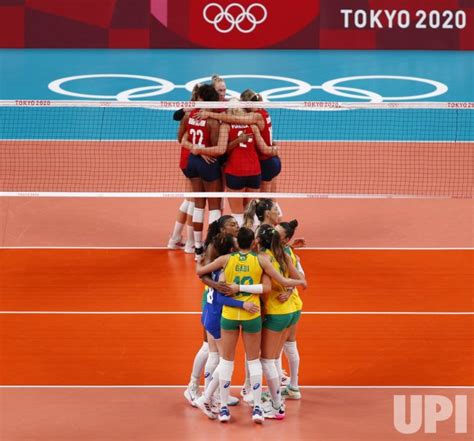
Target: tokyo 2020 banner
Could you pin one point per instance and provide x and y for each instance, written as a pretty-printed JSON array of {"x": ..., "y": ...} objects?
[{"x": 238, "y": 24}]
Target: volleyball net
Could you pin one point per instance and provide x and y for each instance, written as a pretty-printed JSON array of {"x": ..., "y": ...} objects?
[{"x": 327, "y": 149}]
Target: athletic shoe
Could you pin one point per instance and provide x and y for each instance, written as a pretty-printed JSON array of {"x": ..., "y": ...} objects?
[
  {"x": 247, "y": 395},
  {"x": 285, "y": 379},
  {"x": 205, "y": 406},
  {"x": 215, "y": 404},
  {"x": 224, "y": 414},
  {"x": 233, "y": 401},
  {"x": 291, "y": 393},
  {"x": 189, "y": 248},
  {"x": 270, "y": 412},
  {"x": 257, "y": 415},
  {"x": 192, "y": 393},
  {"x": 175, "y": 244}
]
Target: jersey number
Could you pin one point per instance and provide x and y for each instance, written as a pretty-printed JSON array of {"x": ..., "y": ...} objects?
[
  {"x": 210, "y": 295},
  {"x": 243, "y": 144},
  {"x": 197, "y": 136}
]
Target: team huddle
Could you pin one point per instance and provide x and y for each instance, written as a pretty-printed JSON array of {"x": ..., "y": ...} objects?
[
  {"x": 246, "y": 261},
  {"x": 229, "y": 150},
  {"x": 251, "y": 280}
]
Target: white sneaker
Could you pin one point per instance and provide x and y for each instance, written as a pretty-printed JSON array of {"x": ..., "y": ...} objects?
[
  {"x": 192, "y": 393},
  {"x": 233, "y": 401},
  {"x": 270, "y": 412},
  {"x": 205, "y": 406},
  {"x": 224, "y": 414},
  {"x": 175, "y": 244},
  {"x": 189, "y": 248},
  {"x": 291, "y": 393},
  {"x": 247, "y": 395}
]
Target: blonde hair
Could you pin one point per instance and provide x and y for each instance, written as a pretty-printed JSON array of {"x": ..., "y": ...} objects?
[
  {"x": 250, "y": 95},
  {"x": 235, "y": 110},
  {"x": 216, "y": 79}
]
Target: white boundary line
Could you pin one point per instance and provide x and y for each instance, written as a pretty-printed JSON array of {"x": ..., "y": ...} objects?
[
  {"x": 199, "y": 312},
  {"x": 299, "y": 249},
  {"x": 158, "y": 386}
]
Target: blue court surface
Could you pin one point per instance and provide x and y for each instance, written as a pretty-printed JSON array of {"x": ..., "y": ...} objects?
[{"x": 133, "y": 75}]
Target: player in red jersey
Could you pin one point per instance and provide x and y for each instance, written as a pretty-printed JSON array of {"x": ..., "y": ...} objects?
[
  {"x": 242, "y": 169},
  {"x": 186, "y": 209},
  {"x": 203, "y": 171}
]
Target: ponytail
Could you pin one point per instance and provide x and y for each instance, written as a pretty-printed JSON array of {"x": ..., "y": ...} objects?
[
  {"x": 249, "y": 214},
  {"x": 278, "y": 251}
]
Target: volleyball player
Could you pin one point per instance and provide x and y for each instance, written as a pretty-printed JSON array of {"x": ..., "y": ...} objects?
[
  {"x": 219, "y": 84},
  {"x": 186, "y": 210},
  {"x": 265, "y": 210},
  {"x": 244, "y": 268},
  {"x": 270, "y": 164},
  {"x": 206, "y": 356},
  {"x": 242, "y": 169},
  {"x": 203, "y": 171},
  {"x": 279, "y": 317},
  {"x": 290, "y": 348}
]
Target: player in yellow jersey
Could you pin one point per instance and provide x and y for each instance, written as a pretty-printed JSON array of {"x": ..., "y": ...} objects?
[
  {"x": 250, "y": 272},
  {"x": 279, "y": 316},
  {"x": 292, "y": 391}
]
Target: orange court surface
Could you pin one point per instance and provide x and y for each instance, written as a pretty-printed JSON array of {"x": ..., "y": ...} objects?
[{"x": 97, "y": 341}]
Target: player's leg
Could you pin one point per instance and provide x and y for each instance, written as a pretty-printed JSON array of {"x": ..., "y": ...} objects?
[
  {"x": 252, "y": 337},
  {"x": 192, "y": 392},
  {"x": 175, "y": 241},
  {"x": 274, "y": 334},
  {"x": 214, "y": 203},
  {"x": 224, "y": 370},
  {"x": 290, "y": 348}
]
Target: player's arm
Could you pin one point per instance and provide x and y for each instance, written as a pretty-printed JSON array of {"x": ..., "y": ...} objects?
[
  {"x": 275, "y": 275},
  {"x": 249, "y": 118},
  {"x": 219, "y": 263},
  {"x": 217, "y": 149},
  {"x": 262, "y": 145},
  {"x": 243, "y": 137},
  {"x": 292, "y": 270},
  {"x": 230, "y": 301}
]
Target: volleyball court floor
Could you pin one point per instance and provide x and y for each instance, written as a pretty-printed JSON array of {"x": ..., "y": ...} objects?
[{"x": 100, "y": 323}]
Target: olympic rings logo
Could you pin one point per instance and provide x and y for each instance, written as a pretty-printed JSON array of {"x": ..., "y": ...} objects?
[
  {"x": 233, "y": 16},
  {"x": 296, "y": 87}
]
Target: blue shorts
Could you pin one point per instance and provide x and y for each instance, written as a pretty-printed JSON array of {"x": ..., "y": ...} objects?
[
  {"x": 241, "y": 182},
  {"x": 198, "y": 168},
  {"x": 271, "y": 168},
  {"x": 211, "y": 320}
]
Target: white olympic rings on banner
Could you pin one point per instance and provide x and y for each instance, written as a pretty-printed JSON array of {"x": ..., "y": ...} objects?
[
  {"x": 296, "y": 88},
  {"x": 231, "y": 21}
]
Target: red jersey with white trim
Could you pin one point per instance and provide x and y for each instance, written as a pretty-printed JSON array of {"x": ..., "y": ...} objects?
[
  {"x": 266, "y": 133},
  {"x": 198, "y": 134},
  {"x": 242, "y": 160}
]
